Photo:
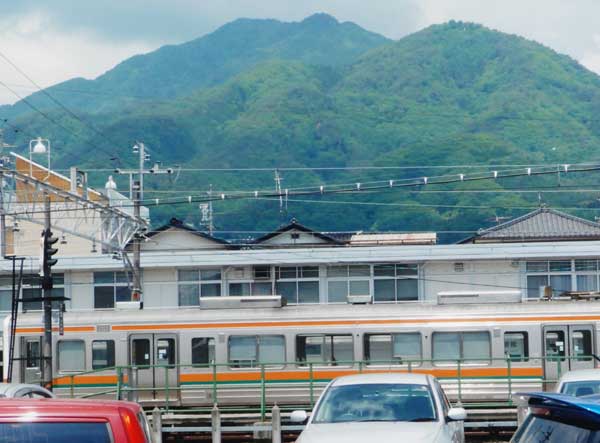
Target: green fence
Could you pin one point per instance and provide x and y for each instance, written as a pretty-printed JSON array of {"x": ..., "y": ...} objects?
[{"x": 465, "y": 377}]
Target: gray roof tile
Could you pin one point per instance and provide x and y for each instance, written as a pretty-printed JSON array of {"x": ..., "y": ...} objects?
[{"x": 543, "y": 223}]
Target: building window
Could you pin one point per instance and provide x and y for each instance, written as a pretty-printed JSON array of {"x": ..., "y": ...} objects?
[
  {"x": 393, "y": 348},
  {"x": 110, "y": 287},
  {"x": 298, "y": 284},
  {"x": 325, "y": 349},
  {"x": 32, "y": 289},
  {"x": 393, "y": 283},
  {"x": 103, "y": 354},
  {"x": 196, "y": 283},
  {"x": 469, "y": 347},
  {"x": 516, "y": 346},
  {"x": 562, "y": 276},
  {"x": 203, "y": 351},
  {"x": 249, "y": 351},
  {"x": 346, "y": 280},
  {"x": 71, "y": 355}
]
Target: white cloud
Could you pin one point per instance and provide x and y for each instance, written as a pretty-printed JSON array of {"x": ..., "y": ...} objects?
[{"x": 50, "y": 56}]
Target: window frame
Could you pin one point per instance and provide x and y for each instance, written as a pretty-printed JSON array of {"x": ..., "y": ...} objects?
[
  {"x": 70, "y": 371},
  {"x": 393, "y": 361},
  {"x": 114, "y": 356},
  {"x": 297, "y": 280},
  {"x": 323, "y": 363},
  {"x": 448, "y": 362},
  {"x": 115, "y": 285},
  {"x": 258, "y": 364},
  {"x": 525, "y": 357},
  {"x": 211, "y": 343},
  {"x": 198, "y": 283}
]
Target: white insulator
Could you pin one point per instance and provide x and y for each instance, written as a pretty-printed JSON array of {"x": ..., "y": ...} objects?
[
  {"x": 528, "y": 171},
  {"x": 321, "y": 189},
  {"x": 424, "y": 180},
  {"x": 566, "y": 168},
  {"x": 462, "y": 177},
  {"x": 358, "y": 186},
  {"x": 495, "y": 174},
  {"x": 391, "y": 183}
]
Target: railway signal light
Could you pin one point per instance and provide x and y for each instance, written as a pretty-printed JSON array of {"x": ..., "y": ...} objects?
[{"x": 47, "y": 261}]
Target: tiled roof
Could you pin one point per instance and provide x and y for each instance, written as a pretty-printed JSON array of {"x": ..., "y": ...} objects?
[{"x": 543, "y": 223}]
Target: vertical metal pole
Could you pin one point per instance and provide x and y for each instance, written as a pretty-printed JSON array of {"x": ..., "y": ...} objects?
[
  {"x": 157, "y": 425},
  {"x": 215, "y": 416},
  {"x": 508, "y": 366},
  {"x": 459, "y": 373},
  {"x": 276, "y": 424},
  {"x": 139, "y": 195},
  {"x": 312, "y": 385},
  {"x": 47, "y": 293},
  {"x": 2, "y": 215},
  {"x": 263, "y": 394}
]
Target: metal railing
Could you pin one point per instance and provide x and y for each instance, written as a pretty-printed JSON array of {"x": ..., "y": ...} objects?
[{"x": 462, "y": 378}]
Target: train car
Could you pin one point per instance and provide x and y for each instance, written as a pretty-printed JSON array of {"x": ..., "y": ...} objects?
[{"x": 481, "y": 353}]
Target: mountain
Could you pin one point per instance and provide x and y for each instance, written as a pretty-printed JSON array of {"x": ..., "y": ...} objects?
[
  {"x": 176, "y": 70},
  {"x": 451, "y": 94}
]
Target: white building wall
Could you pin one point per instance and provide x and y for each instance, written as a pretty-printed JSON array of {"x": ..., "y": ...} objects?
[
  {"x": 484, "y": 276},
  {"x": 160, "y": 288},
  {"x": 179, "y": 240},
  {"x": 81, "y": 290}
]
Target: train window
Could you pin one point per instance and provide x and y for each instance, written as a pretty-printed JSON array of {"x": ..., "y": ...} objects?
[
  {"x": 33, "y": 354},
  {"x": 165, "y": 351},
  {"x": 324, "y": 349},
  {"x": 71, "y": 355},
  {"x": 516, "y": 346},
  {"x": 472, "y": 347},
  {"x": 250, "y": 351},
  {"x": 581, "y": 345},
  {"x": 140, "y": 353},
  {"x": 203, "y": 351},
  {"x": 103, "y": 354},
  {"x": 398, "y": 348}
]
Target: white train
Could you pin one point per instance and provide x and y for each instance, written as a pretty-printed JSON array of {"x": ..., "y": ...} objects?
[{"x": 232, "y": 356}]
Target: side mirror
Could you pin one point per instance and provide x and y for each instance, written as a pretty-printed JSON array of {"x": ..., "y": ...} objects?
[
  {"x": 298, "y": 416},
  {"x": 457, "y": 414}
]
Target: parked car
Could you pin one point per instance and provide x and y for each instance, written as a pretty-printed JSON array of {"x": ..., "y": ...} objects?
[
  {"x": 579, "y": 382},
  {"x": 24, "y": 390},
  {"x": 72, "y": 421},
  {"x": 389, "y": 407},
  {"x": 558, "y": 418}
]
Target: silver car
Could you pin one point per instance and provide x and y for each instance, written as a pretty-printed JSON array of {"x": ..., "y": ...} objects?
[
  {"x": 388, "y": 407},
  {"x": 24, "y": 390}
]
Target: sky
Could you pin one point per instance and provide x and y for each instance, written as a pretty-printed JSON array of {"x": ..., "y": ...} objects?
[{"x": 55, "y": 40}]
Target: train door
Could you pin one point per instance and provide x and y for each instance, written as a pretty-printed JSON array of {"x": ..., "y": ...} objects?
[
  {"x": 567, "y": 347},
  {"x": 31, "y": 359},
  {"x": 155, "y": 358}
]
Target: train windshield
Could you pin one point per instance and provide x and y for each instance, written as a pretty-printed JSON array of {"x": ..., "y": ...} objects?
[{"x": 376, "y": 402}]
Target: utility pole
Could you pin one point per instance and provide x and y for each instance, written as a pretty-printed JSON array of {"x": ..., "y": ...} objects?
[
  {"x": 137, "y": 193},
  {"x": 3, "y": 161},
  {"x": 46, "y": 264}
]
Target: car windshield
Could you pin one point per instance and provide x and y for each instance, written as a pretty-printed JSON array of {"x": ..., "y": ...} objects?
[
  {"x": 541, "y": 430},
  {"x": 28, "y": 432},
  {"x": 376, "y": 402},
  {"x": 581, "y": 388}
]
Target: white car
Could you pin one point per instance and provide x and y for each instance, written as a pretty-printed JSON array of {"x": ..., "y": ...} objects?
[
  {"x": 579, "y": 382},
  {"x": 409, "y": 408}
]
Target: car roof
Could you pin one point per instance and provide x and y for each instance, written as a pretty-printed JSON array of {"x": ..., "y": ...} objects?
[
  {"x": 581, "y": 375},
  {"x": 10, "y": 407},
  {"x": 399, "y": 377}
]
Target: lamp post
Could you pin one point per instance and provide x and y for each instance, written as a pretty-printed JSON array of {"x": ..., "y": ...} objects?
[{"x": 38, "y": 146}]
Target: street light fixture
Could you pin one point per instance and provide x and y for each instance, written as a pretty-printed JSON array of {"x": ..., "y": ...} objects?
[{"x": 38, "y": 146}]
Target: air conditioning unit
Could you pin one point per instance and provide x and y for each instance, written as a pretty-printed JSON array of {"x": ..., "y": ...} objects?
[{"x": 359, "y": 299}]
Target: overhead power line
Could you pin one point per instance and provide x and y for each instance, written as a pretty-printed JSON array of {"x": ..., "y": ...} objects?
[{"x": 355, "y": 188}]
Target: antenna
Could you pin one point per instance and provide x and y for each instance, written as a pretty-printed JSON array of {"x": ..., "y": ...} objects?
[{"x": 497, "y": 219}]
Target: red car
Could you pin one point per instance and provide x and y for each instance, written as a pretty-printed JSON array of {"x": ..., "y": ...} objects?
[{"x": 72, "y": 421}]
